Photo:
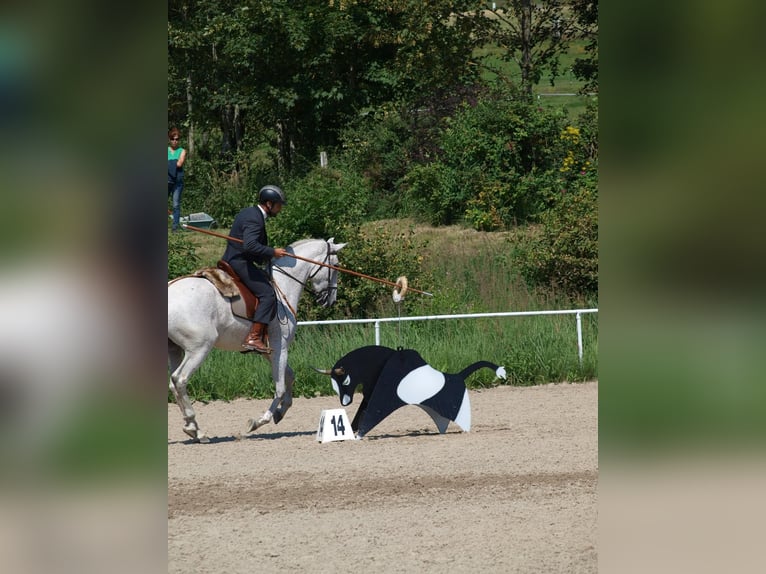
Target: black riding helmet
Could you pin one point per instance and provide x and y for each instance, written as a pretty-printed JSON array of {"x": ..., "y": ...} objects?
[{"x": 271, "y": 193}]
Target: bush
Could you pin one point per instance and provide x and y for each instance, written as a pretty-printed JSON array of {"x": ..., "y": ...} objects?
[
  {"x": 222, "y": 188},
  {"x": 378, "y": 148},
  {"x": 498, "y": 164},
  {"x": 182, "y": 257},
  {"x": 433, "y": 193},
  {"x": 565, "y": 254},
  {"x": 325, "y": 203}
]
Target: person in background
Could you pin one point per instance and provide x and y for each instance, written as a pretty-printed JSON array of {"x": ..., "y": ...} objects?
[
  {"x": 251, "y": 260},
  {"x": 176, "y": 159}
]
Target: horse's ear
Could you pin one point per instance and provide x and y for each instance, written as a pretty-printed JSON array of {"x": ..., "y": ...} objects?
[{"x": 336, "y": 246}]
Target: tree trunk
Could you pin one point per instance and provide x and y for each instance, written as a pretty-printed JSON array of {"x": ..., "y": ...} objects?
[
  {"x": 232, "y": 130},
  {"x": 285, "y": 145},
  {"x": 190, "y": 146},
  {"x": 525, "y": 22}
]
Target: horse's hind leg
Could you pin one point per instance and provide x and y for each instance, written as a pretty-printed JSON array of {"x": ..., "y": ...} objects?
[{"x": 182, "y": 365}]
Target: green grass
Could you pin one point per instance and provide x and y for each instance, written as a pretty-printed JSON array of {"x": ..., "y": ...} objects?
[
  {"x": 534, "y": 350},
  {"x": 474, "y": 274}
]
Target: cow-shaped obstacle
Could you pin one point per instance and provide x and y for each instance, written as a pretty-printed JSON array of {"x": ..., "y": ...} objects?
[{"x": 391, "y": 379}]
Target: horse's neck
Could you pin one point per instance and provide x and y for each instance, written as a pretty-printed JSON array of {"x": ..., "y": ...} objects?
[
  {"x": 292, "y": 282},
  {"x": 289, "y": 290}
]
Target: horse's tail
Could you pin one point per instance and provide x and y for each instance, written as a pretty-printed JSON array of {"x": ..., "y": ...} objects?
[{"x": 470, "y": 369}]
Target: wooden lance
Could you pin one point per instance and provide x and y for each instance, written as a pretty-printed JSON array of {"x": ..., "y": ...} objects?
[{"x": 341, "y": 269}]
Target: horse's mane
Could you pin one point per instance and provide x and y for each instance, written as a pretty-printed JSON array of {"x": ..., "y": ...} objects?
[{"x": 303, "y": 241}]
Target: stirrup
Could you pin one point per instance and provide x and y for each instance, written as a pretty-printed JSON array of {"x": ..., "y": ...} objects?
[{"x": 252, "y": 349}]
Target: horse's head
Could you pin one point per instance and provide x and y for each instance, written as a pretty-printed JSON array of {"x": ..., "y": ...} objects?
[{"x": 324, "y": 281}]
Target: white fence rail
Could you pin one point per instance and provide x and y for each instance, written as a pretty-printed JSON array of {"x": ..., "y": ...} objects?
[{"x": 578, "y": 313}]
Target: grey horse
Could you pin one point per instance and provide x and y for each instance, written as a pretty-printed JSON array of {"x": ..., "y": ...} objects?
[{"x": 200, "y": 318}]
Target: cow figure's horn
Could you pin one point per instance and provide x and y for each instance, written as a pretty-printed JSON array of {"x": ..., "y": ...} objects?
[{"x": 339, "y": 371}]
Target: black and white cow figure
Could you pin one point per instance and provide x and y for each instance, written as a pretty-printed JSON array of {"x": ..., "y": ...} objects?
[{"x": 391, "y": 379}]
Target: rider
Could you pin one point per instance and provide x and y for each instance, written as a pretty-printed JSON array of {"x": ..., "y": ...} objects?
[{"x": 251, "y": 260}]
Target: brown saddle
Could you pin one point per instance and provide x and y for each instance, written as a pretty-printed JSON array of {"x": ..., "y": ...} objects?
[{"x": 246, "y": 304}]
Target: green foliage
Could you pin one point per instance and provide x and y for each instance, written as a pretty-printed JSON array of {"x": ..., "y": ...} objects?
[
  {"x": 182, "y": 257},
  {"x": 503, "y": 133},
  {"x": 212, "y": 187},
  {"x": 581, "y": 145},
  {"x": 305, "y": 68},
  {"x": 486, "y": 211},
  {"x": 433, "y": 193},
  {"x": 586, "y": 68},
  {"x": 564, "y": 255},
  {"x": 379, "y": 147},
  {"x": 325, "y": 203},
  {"x": 499, "y": 165},
  {"x": 499, "y": 205}
]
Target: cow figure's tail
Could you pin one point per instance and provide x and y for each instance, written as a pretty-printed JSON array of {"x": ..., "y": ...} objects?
[{"x": 470, "y": 369}]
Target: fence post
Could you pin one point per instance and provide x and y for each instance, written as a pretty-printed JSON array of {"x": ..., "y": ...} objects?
[
  {"x": 578, "y": 316},
  {"x": 377, "y": 333}
]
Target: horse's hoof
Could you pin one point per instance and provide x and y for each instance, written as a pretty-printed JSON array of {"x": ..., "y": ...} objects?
[
  {"x": 192, "y": 431},
  {"x": 277, "y": 417},
  {"x": 203, "y": 438},
  {"x": 252, "y": 424}
]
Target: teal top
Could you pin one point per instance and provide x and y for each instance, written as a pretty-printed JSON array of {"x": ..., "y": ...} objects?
[{"x": 174, "y": 154}]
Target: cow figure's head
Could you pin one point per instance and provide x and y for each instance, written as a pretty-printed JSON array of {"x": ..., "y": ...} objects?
[
  {"x": 361, "y": 366},
  {"x": 341, "y": 383}
]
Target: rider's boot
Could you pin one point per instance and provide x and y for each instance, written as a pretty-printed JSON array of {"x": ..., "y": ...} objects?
[{"x": 256, "y": 339}]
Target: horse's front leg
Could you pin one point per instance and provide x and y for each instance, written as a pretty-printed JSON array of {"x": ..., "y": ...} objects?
[
  {"x": 287, "y": 396},
  {"x": 266, "y": 417},
  {"x": 283, "y": 398}
]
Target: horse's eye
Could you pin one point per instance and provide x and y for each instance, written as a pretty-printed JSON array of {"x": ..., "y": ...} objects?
[{"x": 347, "y": 381}]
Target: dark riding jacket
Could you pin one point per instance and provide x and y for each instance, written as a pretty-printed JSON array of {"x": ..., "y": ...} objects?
[{"x": 251, "y": 258}]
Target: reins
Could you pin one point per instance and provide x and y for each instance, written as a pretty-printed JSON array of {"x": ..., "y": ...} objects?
[{"x": 284, "y": 297}]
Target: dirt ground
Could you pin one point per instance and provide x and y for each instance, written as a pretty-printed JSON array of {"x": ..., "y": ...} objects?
[{"x": 515, "y": 494}]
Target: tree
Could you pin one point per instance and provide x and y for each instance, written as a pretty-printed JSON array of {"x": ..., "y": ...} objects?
[
  {"x": 586, "y": 69},
  {"x": 297, "y": 71},
  {"x": 534, "y": 35}
]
